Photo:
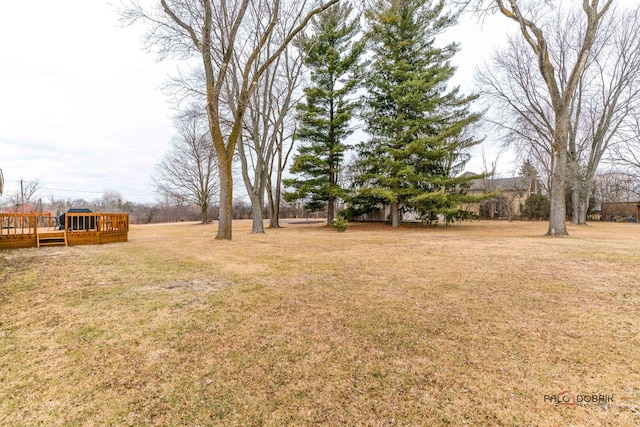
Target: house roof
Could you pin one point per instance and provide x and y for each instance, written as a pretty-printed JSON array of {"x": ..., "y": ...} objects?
[
  {"x": 518, "y": 183},
  {"x": 26, "y": 208}
]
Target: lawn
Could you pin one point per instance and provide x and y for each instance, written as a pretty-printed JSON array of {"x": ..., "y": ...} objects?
[{"x": 481, "y": 323}]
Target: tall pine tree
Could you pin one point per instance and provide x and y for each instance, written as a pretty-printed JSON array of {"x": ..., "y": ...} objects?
[
  {"x": 324, "y": 117},
  {"x": 418, "y": 126}
]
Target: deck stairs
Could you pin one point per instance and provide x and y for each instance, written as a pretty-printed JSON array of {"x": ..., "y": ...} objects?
[{"x": 52, "y": 238}]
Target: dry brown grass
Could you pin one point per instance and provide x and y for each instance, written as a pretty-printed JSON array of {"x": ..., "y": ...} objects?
[{"x": 471, "y": 324}]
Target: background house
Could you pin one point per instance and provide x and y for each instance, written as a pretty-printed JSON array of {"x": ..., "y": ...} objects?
[
  {"x": 26, "y": 208},
  {"x": 511, "y": 194},
  {"x": 508, "y": 202},
  {"x": 382, "y": 213}
]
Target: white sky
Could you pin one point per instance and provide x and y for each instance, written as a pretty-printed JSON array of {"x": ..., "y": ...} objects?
[{"x": 80, "y": 105}]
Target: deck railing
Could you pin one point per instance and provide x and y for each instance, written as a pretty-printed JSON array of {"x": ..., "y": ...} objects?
[
  {"x": 88, "y": 228},
  {"x": 14, "y": 224},
  {"x": 104, "y": 223}
]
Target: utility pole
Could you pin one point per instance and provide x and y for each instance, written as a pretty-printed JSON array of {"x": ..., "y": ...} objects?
[{"x": 22, "y": 195}]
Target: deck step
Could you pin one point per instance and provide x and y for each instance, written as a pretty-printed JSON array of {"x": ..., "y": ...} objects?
[{"x": 56, "y": 238}]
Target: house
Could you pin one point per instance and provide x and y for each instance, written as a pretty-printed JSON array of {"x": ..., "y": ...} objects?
[
  {"x": 26, "y": 208},
  {"x": 383, "y": 212},
  {"x": 511, "y": 196}
]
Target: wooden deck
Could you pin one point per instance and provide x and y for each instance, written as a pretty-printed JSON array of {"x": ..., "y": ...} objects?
[{"x": 33, "y": 230}]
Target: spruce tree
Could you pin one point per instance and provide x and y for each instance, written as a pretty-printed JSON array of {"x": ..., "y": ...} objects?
[
  {"x": 418, "y": 126},
  {"x": 324, "y": 116}
]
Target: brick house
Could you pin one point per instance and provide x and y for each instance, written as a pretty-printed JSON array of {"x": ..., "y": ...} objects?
[{"x": 511, "y": 196}]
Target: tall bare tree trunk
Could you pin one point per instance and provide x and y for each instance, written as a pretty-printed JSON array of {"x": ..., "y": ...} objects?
[
  {"x": 256, "y": 188},
  {"x": 203, "y": 214},
  {"x": 274, "y": 208},
  {"x": 583, "y": 207},
  {"x": 257, "y": 209},
  {"x": 558, "y": 209},
  {"x": 575, "y": 203},
  {"x": 580, "y": 195},
  {"x": 226, "y": 199},
  {"x": 275, "y": 195},
  {"x": 585, "y": 198},
  {"x": 581, "y": 186}
]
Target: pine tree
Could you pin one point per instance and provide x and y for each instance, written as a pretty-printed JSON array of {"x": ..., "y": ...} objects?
[
  {"x": 418, "y": 126},
  {"x": 325, "y": 115}
]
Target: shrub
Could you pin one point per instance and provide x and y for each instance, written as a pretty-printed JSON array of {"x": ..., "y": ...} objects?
[
  {"x": 537, "y": 207},
  {"x": 340, "y": 224}
]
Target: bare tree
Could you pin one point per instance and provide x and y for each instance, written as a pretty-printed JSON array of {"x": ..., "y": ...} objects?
[
  {"x": 113, "y": 201},
  {"x": 284, "y": 143},
  {"x": 30, "y": 190},
  {"x": 261, "y": 146},
  {"x": 28, "y": 193},
  {"x": 188, "y": 171},
  {"x": 616, "y": 186},
  {"x": 627, "y": 152},
  {"x": 57, "y": 206},
  {"x": 616, "y": 193},
  {"x": 607, "y": 93},
  {"x": 518, "y": 103},
  {"x": 560, "y": 80},
  {"x": 219, "y": 32},
  {"x": 284, "y": 98}
]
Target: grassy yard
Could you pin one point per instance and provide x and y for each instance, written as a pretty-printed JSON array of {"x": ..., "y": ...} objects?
[{"x": 469, "y": 325}]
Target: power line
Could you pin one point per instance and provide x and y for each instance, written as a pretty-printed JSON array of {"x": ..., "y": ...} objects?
[
  {"x": 96, "y": 192},
  {"x": 72, "y": 191}
]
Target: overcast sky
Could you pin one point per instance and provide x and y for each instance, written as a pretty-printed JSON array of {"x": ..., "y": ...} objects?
[{"x": 81, "y": 111}]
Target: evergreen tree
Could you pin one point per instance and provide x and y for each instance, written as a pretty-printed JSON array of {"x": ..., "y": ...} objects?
[
  {"x": 325, "y": 115},
  {"x": 418, "y": 126}
]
